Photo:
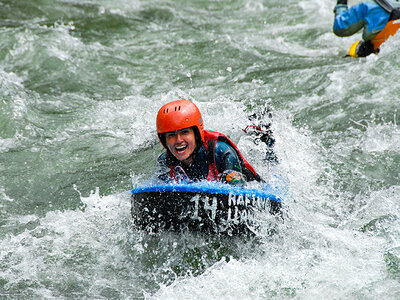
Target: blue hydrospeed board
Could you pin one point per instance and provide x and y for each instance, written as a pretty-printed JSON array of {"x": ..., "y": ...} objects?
[{"x": 204, "y": 206}]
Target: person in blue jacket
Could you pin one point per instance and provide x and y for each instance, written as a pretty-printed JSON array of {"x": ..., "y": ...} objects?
[{"x": 375, "y": 18}]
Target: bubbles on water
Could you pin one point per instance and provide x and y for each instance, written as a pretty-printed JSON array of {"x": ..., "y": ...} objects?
[
  {"x": 254, "y": 5},
  {"x": 224, "y": 115},
  {"x": 378, "y": 214},
  {"x": 282, "y": 272},
  {"x": 392, "y": 259},
  {"x": 388, "y": 51},
  {"x": 339, "y": 237},
  {"x": 102, "y": 10},
  {"x": 381, "y": 138},
  {"x": 6, "y": 145},
  {"x": 4, "y": 196},
  {"x": 63, "y": 252},
  {"x": 13, "y": 97}
]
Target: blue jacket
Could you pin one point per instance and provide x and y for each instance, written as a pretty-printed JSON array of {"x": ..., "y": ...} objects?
[{"x": 368, "y": 16}]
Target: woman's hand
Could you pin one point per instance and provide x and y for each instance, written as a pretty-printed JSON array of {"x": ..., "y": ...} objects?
[{"x": 233, "y": 177}]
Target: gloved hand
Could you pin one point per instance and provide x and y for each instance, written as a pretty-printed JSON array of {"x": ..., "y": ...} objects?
[
  {"x": 233, "y": 177},
  {"x": 180, "y": 175},
  {"x": 341, "y": 2}
]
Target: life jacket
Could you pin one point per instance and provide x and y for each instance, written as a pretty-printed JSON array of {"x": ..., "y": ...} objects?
[
  {"x": 211, "y": 138},
  {"x": 389, "y": 30},
  {"x": 392, "y": 8}
]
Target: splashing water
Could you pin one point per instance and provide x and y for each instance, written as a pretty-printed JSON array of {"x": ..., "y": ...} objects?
[{"x": 81, "y": 83}]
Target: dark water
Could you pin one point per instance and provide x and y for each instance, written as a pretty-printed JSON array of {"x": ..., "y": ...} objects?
[{"x": 80, "y": 85}]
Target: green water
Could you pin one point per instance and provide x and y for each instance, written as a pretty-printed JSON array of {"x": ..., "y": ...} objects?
[{"x": 80, "y": 85}]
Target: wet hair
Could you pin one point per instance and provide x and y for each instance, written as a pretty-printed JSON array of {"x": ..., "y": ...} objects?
[{"x": 199, "y": 142}]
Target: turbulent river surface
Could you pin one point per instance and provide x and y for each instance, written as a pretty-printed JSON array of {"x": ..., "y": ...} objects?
[{"x": 80, "y": 85}]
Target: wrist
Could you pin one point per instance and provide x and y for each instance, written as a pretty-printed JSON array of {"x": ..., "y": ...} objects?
[{"x": 341, "y": 2}]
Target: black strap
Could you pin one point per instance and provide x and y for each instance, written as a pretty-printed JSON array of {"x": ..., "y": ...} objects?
[
  {"x": 210, "y": 151},
  {"x": 395, "y": 14},
  {"x": 385, "y": 5}
]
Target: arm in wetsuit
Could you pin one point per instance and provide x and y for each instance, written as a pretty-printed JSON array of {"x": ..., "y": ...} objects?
[{"x": 228, "y": 164}]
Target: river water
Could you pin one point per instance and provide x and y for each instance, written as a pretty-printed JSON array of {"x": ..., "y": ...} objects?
[{"x": 81, "y": 82}]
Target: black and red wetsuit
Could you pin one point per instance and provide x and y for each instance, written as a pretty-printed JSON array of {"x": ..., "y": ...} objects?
[{"x": 216, "y": 155}]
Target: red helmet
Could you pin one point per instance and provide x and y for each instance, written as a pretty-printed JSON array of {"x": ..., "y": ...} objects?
[{"x": 178, "y": 115}]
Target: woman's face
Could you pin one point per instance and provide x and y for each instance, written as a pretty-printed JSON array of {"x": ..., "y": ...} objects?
[{"x": 181, "y": 143}]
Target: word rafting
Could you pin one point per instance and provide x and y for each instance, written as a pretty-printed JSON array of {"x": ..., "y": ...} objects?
[{"x": 235, "y": 209}]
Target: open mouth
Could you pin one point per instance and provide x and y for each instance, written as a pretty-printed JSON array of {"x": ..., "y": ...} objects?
[{"x": 181, "y": 149}]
